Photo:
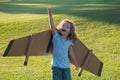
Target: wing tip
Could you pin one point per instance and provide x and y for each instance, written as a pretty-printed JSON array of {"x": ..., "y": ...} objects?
[
  {"x": 8, "y": 48},
  {"x": 100, "y": 69}
]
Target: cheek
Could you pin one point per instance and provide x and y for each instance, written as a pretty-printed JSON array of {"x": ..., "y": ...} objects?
[{"x": 68, "y": 31}]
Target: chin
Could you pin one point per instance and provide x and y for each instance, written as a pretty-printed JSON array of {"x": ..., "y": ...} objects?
[{"x": 62, "y": 33}]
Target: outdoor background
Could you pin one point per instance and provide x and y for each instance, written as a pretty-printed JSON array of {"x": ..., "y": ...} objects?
[{"x": 97, "y": 25}]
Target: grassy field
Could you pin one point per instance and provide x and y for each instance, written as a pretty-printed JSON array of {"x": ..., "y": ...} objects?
[{"x": 97, "y": 25}]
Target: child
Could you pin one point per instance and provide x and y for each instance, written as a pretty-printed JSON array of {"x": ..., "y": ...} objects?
[{"x": 63, "y": 38}]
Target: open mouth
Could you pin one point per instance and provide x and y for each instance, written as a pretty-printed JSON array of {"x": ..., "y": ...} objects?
[{"x": 63, "y": 30}]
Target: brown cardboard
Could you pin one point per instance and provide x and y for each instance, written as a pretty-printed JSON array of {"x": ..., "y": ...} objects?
[
  {"x": 18, "y": 47},
  {"x": 40, "y": 43}
]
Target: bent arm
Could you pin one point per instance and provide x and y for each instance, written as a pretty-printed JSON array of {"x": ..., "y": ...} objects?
[
  {"x": 71, "y": 52},
  {"x": 52, "y": 26}
]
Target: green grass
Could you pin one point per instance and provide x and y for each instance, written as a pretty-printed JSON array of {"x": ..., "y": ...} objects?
[{"x": 97, "y": 24}]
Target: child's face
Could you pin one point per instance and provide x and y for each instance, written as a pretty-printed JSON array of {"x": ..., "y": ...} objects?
[{"x": 65, "y": 29}]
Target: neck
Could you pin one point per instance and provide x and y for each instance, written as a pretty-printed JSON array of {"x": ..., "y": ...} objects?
[{"x": 64, "y": 37}]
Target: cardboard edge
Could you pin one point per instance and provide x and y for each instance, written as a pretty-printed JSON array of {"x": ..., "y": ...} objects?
[
  {"x": 8, "y": 48},
  {"x": 49, "y": 44},
  {"x": 100, "y": 69}
]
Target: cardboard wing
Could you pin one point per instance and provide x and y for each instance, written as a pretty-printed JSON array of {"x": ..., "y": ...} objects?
[
  {"x": 40, "y": 43},
  {"x": 35, "y": 45},
  {"x": 86, "y": 59}
]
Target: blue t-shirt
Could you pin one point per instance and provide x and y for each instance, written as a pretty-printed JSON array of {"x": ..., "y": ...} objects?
[{"x": 60, "y": 51}]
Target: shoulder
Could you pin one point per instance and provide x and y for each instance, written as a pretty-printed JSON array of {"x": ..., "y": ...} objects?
[
  {"x": 70, "y": 42},
  {"x": 56, "y": 35}
]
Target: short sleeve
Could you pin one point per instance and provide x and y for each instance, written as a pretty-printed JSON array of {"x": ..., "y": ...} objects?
[
  {"x": 55, "y": 35},
  {"x": 71, "y": 43}
]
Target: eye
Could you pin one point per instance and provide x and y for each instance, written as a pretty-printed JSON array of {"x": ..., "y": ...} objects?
[{"x": 67, "y": 26}]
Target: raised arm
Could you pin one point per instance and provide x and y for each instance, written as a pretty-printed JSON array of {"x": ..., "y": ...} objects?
[{"x": 52, "y": 26}]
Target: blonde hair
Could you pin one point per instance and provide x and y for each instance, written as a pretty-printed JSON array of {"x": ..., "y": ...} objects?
[{"x": 72, "y": 34}]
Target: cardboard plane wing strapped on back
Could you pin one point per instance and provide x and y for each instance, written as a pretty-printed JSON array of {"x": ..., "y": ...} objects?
[{"x": 40, "y": 43}]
